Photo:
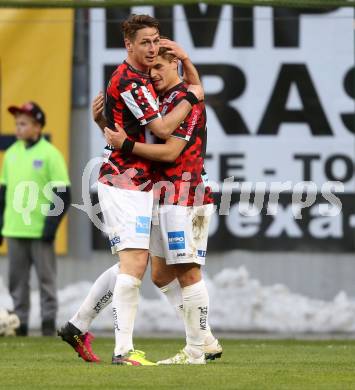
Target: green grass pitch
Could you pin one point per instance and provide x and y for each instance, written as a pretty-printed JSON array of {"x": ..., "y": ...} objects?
[{"x": 49, "y": 363}]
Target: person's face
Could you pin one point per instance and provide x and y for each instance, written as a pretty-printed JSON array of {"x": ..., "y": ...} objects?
[
  {"x": 164, "y": 74},
  {"x": 27, "y": 128},
  {"x": 143, "y": 50}
]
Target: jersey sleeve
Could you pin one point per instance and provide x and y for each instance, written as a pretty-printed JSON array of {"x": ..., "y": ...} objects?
[
  {"x": 186, "y": 128},
  {"x": 140, "y": 101}
]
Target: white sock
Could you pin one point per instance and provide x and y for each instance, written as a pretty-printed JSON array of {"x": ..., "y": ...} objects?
[
  {"x": 196, "y": 304},
  {"x": 124, "y": 305},
  {"x": 100, "y": 295},
  {"x": 173, "y": 293}
]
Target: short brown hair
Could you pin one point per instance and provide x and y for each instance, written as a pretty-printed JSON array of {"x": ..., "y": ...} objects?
[
  {"x": 136, "y": 22},
  {"x": 163, "y": 52}
]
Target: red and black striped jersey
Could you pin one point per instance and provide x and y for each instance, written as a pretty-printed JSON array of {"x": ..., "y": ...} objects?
[
  {"x": 185, "y": 178},
  {"x": 131, "y": 102}
]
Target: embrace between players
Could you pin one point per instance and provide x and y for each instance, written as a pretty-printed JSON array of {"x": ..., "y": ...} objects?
[{"x": 168, "y": 222}]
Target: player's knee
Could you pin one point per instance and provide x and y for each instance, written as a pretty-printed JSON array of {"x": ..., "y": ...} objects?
[
  {"x": 188, "y": 280},
  {"x": 141, "y": 257},
  {"x": 161, "y": 273},
  {"x": 140, "y": 267},
  {"x": 161, "y": 279},
  {"x": 158, "y": 279},
  {"x": 134, "y": 262},
  {"x": 188, "y": 274}
]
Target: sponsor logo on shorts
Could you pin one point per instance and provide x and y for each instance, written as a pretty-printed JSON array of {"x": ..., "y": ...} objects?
[
  {"x": 115, "y": 240},
  {"x": 181, "y": 254},
  {"x": 143, "y": 225},
  {"x": 201, "y": 253},
  {"x": 176, "y": 240}
]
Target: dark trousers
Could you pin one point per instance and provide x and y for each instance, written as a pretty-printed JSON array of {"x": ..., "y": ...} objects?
[{"x": 23, "y": 253}]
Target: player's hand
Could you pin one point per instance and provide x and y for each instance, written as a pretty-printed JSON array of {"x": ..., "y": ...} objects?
[
  {"x": 97, "y": 108},
  {"x": 115, "y": 138},
  {"x": 197, "y": 90},
  {"x": 174, "y": 49}
]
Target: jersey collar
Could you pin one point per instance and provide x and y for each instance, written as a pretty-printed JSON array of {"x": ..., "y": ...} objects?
[
  {"x": 30, "y": 144},
  {"x": 174, "y": 88},
  {"x": 146, "y": 75}
]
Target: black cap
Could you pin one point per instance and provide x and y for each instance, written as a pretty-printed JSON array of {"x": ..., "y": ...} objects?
[{"x": 32, "y": 109}]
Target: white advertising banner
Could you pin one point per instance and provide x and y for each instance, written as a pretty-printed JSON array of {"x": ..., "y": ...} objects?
[{"x": 280, "y": 89}]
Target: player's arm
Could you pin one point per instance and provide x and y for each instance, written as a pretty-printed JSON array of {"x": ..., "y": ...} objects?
[
  {"x": 97, "y": 109},
  {"x": 144, "y": 107},
  {"x": 190, "y": 75},
  {"x": 163, "y": 127},
  {"x": 167, "y": 152}
]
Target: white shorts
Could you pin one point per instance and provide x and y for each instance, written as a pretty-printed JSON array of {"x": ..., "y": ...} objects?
[
  {"x": 127, "y": 216},
  {"x": 180, "y": 234}
]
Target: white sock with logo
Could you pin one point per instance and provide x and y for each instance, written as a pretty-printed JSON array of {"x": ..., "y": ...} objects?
[
  {"x": 124, "y": 306},
  {"x": 196, "y": 305},
  {"x": 173, "y": 293},
  {"x": 100, "y": 295}
]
